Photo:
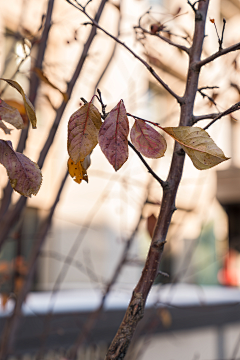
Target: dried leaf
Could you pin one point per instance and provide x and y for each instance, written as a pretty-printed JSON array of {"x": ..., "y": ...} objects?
[
  {"x": 113, "y": 136},
  {"x": 11, "y": 115},
  {"x": 5, "y": 128},
  {"x": 4, "y": 300},
  {"x": 196, "y": 142},
  {"x": 27, "y": 103},
  {"x": 151, "y": 223},
  {"x": 165, "y": 317},
  {"x": 77, "y": 171},
  {"x": 44, "y": 79},
  {"x": 83, "y": 128},
  {"x": 20, "y": 107},
  {"x": 147, "y": 140},
  {"x": 24, "y": 175}
]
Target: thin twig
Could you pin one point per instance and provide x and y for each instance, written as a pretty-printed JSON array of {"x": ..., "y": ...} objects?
[
  {"x": 69, "y": 258},
  {"x": 34, "y": 84},
  {"x": 94, "y": 316},
  {"x": 112, "y": 54},
  {"x": 9, "y": 333},
  {"x": 209, "y": 97},
  {"x": 212, "y": 57},
  {"x": 170, "y": 42},
  {"x": 164, "y": 184},
  {"x": 104, "y": 115},
  {"x": 233, "y": 108},
  {"x": 197, "y": 118},
  {"x": 149, "y": 68},
  {"x": 193, "y": 5},
  {"x": 13, "y": 215},
  {"x": 221, "y": 40}
]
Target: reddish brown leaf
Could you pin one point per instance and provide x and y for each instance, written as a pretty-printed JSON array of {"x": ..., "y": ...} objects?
[
  {"x": 151, "y": 223},
  {"x": 83, "y": 128},
  {"x": 24, "y": 175},
  {"x": 147, "y": 140},
  {"x": 4, "y": 300},
  {"x": 11, "y": 115},
  {"x": 113, "y": 136}
]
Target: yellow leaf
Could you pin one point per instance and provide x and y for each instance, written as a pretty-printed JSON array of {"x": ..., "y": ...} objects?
[
  {"x": 77, "y": 171},
  {"x": 196, "y": 142},
  {"x": 27, "y": 103}
]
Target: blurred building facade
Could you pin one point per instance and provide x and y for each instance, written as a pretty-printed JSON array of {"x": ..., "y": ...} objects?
[{"x": 99, "y": 216}]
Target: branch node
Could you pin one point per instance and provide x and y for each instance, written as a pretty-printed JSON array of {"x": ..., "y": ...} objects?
[
  {"x": 163, "y": 273},
  {"x": 180, "y": 152},
  {"x": 174, "y": 209},
  {"x": 84, "y": 100}
]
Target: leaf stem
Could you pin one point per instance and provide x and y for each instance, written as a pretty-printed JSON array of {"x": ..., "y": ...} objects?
[{"x": 164, "y": 184}]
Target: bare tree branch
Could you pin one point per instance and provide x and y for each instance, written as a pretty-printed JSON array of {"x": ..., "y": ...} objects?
[
  {"x": 95, "y": 314},
  {"x": 170, "y": 42},
  {"x": 14, "y": 214},
  {"x": 149, "y": 68},
  {"x": 11, "y": 327},
  {"x": 219, "y": 53},
  {"x": 233, "y": 108},
  {"x": 197, "y": 118},
  {"x": 164, "y": 184},
  {"x": 113, "y": 52},
  {"x": 135, "y": 310},
  {"x": 34, "y": 85}
]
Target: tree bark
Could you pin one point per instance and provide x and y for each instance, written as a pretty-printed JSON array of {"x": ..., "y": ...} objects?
[{"x": 135, "y": 310}]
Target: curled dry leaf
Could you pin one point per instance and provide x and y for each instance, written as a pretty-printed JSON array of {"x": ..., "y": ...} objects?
[
  {"x": 11, "y": 115},
  {"x": 5, "y": 128},
  {"x": 21, "y": 108},
  {"x": 83, "y": 128},
  {"x": 24, "y": 175},
  {"x": 147, "y": 140},
  {"x": 151, "y": 223},
  {"x": 199, "y": 146},
  {"x": 77, "y": 171},
  {"x": 113, "y": 136},
  {"x": 27, "y": 103}
]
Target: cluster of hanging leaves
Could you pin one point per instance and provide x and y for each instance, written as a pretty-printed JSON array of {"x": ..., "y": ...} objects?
[
  {"x": 86, "y": 130},
  {"x": 24, "y": 175}
]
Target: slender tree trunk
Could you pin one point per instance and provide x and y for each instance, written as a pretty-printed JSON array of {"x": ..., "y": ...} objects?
[{"x": 135, "y": 310}]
